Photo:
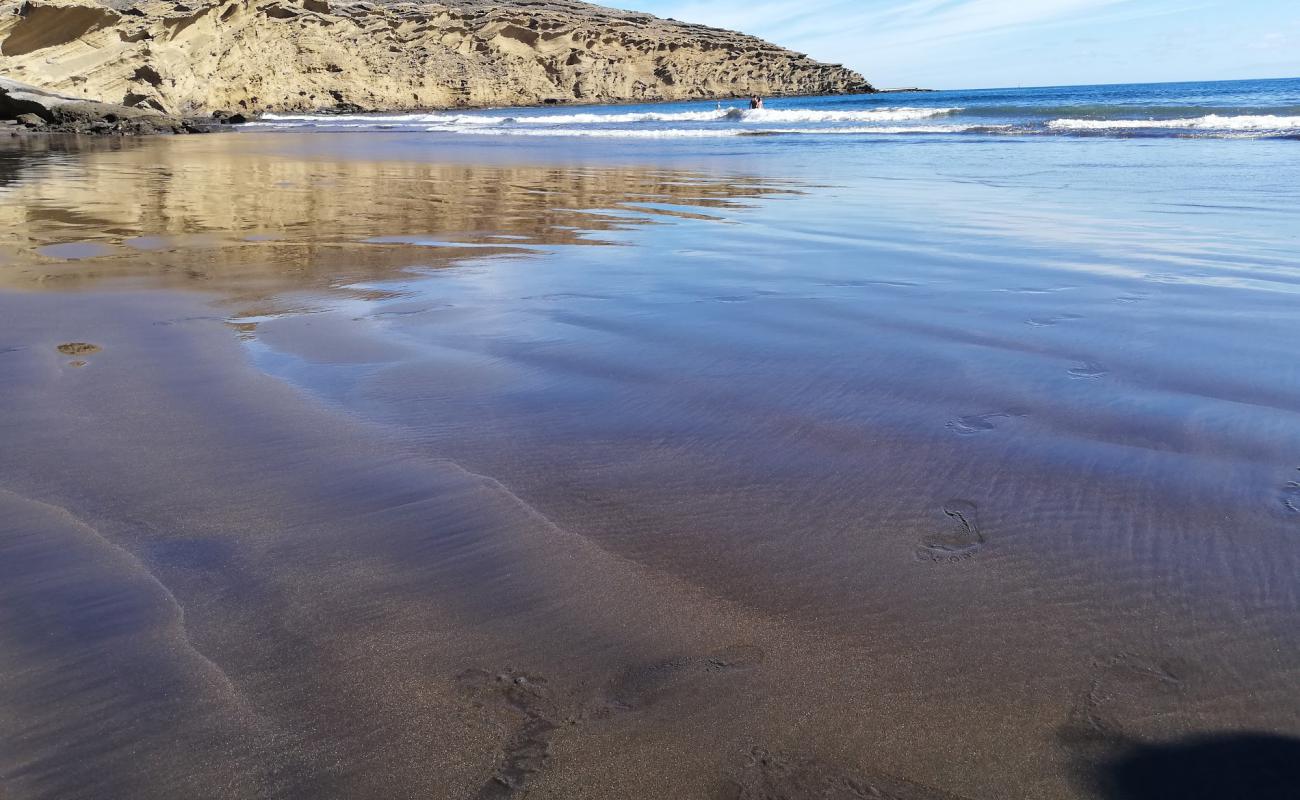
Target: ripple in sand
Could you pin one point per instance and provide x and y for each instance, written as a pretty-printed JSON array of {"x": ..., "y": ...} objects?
[
  {"x": 1037, "y": 289},
  {"x": 1089, "y": 370},
  {"x": 767, "y": 775},
  {"x": 1047, "y": 322},
  {"x": 642, "y": 686},
  {"x": 1291, "y": 496},
  {"x": 167, "y": 323},
  {"x": 982, "y": 423}
]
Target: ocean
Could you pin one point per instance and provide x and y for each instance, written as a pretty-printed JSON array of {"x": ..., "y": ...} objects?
[
  {"x": 920, "y": 445},
  {"x": 1235, "y": 109}
]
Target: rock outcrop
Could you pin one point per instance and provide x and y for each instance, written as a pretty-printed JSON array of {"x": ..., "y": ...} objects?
[
  {"x": 33, "y": 109},
  {"x": 200, "y": 56}
]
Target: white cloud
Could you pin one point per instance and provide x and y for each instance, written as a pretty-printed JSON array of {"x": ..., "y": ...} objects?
[
  {"x": 964, "y": 43},
  {"x": 903, "y": 34},
  {"x": 903, "y": 21}
]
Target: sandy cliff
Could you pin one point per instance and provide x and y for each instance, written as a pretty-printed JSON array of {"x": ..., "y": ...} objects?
[{"x": 260, "y": 55}]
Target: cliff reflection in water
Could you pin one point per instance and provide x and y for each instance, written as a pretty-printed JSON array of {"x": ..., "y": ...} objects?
[{"x": 220, "y": 214}]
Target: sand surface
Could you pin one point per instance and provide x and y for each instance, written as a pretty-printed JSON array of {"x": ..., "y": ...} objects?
[{"x": 484, "y": 477}]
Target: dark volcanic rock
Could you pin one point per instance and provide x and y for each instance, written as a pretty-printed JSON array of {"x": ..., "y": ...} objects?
[{"x": 39, "y": 109}]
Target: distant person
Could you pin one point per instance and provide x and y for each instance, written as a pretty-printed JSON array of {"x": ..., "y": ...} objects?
[{"x": 755, "y": 103}]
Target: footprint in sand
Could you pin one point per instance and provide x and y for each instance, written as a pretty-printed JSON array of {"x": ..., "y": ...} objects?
[
  {"x": 1291, "y": 496},
  {"x": 982, "y": 423},
  {"x": 958, "y": 539},
  {"x": 1089, "y": 370},
  {"x": 642, "y": 686},
  {"x": 766, "y": 775},
  {"x": 530, "y": 699},
  {"x": 528, "y": 749},
  {"x": 1123, "y": 687}
]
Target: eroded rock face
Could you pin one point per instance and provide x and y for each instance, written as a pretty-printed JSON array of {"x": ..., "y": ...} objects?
[
  {"x": 282, "y": 55},
  {"x": 43, "y": 110}
]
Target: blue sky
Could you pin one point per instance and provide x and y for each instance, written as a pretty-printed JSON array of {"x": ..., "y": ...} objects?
[{"x": 950, "y": 44}]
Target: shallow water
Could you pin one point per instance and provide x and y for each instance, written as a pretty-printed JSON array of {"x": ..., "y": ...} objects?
[{"x": 493, "y": 467}]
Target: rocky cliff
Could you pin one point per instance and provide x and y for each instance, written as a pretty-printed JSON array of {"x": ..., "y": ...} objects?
[{"x": 201, "y": 56}]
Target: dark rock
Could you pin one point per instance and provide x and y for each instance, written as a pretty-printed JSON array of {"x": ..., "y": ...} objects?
[{"x": 36, "y": 108}]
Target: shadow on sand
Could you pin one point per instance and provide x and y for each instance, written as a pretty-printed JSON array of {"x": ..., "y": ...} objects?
[{"x": 1250, "y": 766}]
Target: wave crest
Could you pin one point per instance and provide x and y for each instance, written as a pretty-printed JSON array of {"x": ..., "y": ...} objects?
[
  {"x": 756, "y": 116},
  {"x": 1212, "y": 122},
  {"x": 718, "y": 133},
  {"x": 869, "y": 115}
]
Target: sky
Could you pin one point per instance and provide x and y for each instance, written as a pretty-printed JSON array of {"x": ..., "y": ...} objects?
[{"x": 961, "y": 44}]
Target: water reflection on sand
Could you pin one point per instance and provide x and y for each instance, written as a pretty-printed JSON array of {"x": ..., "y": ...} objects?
[{"x": 244, "y": 219}]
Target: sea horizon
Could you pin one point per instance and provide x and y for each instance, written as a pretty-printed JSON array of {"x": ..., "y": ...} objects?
[{"x": 1123, "y": 83}]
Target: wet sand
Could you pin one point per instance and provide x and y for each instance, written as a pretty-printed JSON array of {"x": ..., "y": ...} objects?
[{"x": 486, "y": 476}]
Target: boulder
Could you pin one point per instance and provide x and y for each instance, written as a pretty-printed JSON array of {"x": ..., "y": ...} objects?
[{"x": 34, "y": 107}]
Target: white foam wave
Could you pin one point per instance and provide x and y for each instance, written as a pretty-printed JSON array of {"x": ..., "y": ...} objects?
[
  {"x": 316, "y": 119},
  {"x": 869, "y": 115},
  {"x": 711, "y": 133},
  {"x": 613, "y": 119},
  {"x": 729, "y": 114},
  {"x": 1211, "y": 122},
  {"x": 603, "y": 133},
  {"x": 735, "y": 115}
]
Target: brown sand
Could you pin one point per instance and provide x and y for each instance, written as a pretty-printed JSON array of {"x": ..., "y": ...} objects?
[{"x": 214, "y": 585}]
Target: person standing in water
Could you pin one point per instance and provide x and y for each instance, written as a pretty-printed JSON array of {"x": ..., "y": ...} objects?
[{"x": 755, "y": 102}]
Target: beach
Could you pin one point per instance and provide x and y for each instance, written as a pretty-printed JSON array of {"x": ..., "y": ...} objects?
[{"x": 355, "y": 458}]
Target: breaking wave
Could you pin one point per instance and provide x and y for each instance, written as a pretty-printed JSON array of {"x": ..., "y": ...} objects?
[
  {"x": 1213, "y": 122},
  {"x": 766, "y": 115},
  {"x": 717, "y": 133},
  {"x": 758, "y": 116},
  {"x": 834, "y": 118}
]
